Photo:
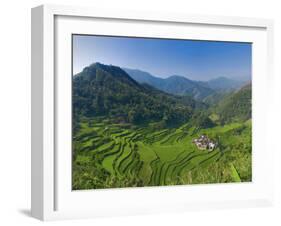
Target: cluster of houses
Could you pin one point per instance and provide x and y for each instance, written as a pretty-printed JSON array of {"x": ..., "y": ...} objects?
[{"x": 204, "y": 143}]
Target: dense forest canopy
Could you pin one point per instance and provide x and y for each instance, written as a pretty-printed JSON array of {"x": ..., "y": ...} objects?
[{"x": 102, "y": 90}]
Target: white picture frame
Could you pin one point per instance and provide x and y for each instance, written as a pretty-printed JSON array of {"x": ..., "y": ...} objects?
[{"x": 52, "y": 197}]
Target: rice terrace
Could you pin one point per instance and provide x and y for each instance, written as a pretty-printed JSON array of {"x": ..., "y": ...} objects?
[{"x": 134, "y": 129}]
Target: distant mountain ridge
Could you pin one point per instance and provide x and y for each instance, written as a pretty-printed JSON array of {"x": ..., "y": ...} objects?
[
  {"x": 175, "y": 84},
  {"x": 181, "y": 85},
  {"x": 224, "y": 84}
]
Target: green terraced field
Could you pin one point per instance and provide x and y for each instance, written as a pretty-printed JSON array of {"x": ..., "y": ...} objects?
[{"x": 116, "y": 155}]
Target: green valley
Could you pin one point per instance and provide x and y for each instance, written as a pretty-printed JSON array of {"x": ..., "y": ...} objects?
[{"x": 127, "y": 134}]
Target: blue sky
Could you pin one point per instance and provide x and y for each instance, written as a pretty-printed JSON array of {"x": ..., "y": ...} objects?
[{"x": 197, "y": 60}]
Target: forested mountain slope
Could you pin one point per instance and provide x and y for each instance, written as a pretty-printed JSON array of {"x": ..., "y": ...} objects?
[{"x": 106, "y": 90}]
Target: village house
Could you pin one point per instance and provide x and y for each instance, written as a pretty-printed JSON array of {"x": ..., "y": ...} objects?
[{"x": 204, "y": 143}]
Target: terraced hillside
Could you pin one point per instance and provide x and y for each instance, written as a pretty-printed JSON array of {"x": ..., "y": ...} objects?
[
  {"x": 127, "y": 134},
  {"x": 111, "y": 155}
]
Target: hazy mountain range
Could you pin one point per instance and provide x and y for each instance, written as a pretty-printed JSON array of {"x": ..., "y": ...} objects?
[
  {"x": 137, "y": 97},
  {"x": 181, "y": 85}
]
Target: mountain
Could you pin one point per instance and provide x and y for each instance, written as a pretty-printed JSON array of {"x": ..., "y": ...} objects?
[
  {"x": 145, "y": 77},
  {"x": 180, "y": 85},
  {"x": 216, "y": 97},
  {"x": 236, "y": 106},
  {"x": 224, "y": 84},
  {"x": 175, "y": 84},
  {"x": 106, "y": 90}
]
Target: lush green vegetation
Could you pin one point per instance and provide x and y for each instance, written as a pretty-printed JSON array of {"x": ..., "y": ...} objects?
[
  {"x": 116, "y": 155},
  {"x": 131, "y": 135},
  {"x": 236, "y": 106},
  {"x": 101, "y": 90}
]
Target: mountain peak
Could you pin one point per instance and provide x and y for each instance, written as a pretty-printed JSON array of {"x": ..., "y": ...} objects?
[
  {"x": 99, "y": 71},
  {"x": 179, "y": 77},
  {"x": 94, "y": 65},
  {"x": 223, "y": 83},
  {"x": 98, "y": 65}
]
